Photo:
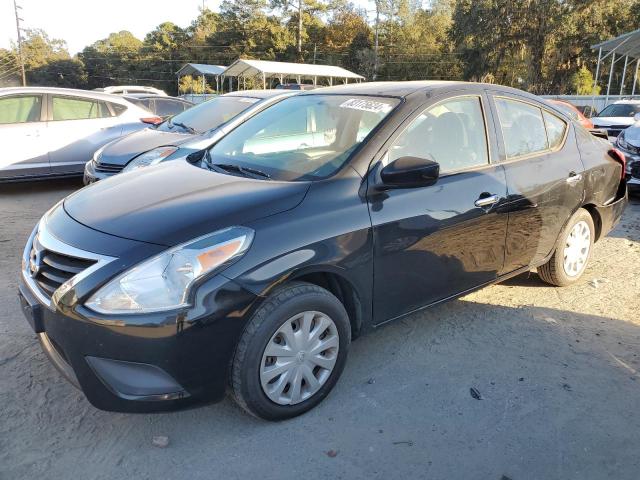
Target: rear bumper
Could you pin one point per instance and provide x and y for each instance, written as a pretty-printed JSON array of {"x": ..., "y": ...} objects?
[{"x": 611, "y": 213}]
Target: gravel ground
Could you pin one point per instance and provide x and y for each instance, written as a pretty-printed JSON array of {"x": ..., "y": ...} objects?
[{"x": 557, "y": 371}]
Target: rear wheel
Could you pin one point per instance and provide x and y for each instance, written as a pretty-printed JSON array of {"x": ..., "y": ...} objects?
[
  {"x": 291, "y": 353},
  {"x": 572, "y": 251}
]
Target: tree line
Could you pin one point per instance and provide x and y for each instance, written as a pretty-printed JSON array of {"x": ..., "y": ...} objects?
[{"x": 543, "y": 46}]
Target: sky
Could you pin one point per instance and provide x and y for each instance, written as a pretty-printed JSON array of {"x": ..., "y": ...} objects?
[{"x": 82, "y": 22}]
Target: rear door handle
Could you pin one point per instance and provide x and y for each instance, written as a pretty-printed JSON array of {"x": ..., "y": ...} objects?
[
  {"x": 486, "y": 201},
  {"x": 574, "y": 178}
]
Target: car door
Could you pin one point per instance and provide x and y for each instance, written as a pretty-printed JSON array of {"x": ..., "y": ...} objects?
[
  {"x": 22, "y": 135},
  {"x": 78, "y": 127},
  {"x": 435, "y": 242},
  {"x": 544, "y": 177}
]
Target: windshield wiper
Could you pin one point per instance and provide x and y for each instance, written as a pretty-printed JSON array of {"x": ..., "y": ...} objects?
[
  {"x": 186, "y": 127},
  {"x": 246, "y": 171}
]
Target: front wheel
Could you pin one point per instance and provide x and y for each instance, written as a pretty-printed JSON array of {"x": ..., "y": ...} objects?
[
  {"x": 572, "y": 251},
  {"x": 291, "y": 353}
]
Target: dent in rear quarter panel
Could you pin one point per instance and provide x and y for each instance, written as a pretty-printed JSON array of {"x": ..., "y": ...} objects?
[{"x": 602, "y": 173}]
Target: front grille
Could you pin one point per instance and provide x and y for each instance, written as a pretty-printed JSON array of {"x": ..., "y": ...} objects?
[
  {"x": 51, "y": 269},
  {"x": 108, "y": 167},
  {"x": 635, "y": 170}
]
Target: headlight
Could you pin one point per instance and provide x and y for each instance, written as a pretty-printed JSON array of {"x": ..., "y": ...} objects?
[
  {"x": 163, "y": 282},
  {"x": 622, "y": 142},
  {"x": 149, "y": 158}
]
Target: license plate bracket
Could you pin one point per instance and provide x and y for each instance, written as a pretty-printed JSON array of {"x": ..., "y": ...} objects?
[{"x": 32, "y": 311}]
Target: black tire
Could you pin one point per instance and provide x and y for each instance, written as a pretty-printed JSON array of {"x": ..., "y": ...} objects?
[
  {"x": 281, "y": 305},
  {"x": 553, "y": 271}
]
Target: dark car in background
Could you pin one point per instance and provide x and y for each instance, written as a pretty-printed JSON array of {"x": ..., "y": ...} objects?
[
  {"x": 323, "y": 216},
  {"x": 200, "y": 125},
  {"x": 629, "y": 143},
  {"x": 162, "y": 106}
]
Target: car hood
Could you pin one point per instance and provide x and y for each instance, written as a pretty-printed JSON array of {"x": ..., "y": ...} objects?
[
  {"x": 612, "y": 121},
  {"x": 124, "y": 149},
  {"x": 174, "y": 202}
]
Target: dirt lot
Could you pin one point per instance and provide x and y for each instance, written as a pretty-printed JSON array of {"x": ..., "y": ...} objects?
[{"x": 557, "y": 371}]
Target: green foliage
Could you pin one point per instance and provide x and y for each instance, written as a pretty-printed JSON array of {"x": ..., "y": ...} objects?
[
  {"x": 189, "y": 84},
  {"x": 582, "y": 82},
  {"x": 542, "y": 45}
]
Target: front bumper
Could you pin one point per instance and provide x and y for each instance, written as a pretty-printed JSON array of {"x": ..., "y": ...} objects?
[{"x": 140, "y": 363}]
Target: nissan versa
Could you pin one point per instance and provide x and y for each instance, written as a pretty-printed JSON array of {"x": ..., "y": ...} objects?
[{"x": 253, "y": 265}]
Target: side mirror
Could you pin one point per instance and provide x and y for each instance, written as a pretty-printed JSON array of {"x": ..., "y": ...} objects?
[
  {"x": 410, "y": 172},
  {"x": 636, "y": 117}
]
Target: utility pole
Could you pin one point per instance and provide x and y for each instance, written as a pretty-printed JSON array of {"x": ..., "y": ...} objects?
[
  {"x": 375, "y": 47},
  {"x": 21, "y": 57},
  {"x": 300, "y": 30}
]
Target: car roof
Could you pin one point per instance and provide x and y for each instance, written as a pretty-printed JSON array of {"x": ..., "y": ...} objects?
[
  {"x": 256, "y": 93},
  {"x": 108, "y": 97},
  {"x": 405, "y": 89},
  {"x": 143, "y": 96}
]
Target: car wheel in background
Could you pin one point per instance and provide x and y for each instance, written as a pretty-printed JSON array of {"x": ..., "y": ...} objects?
[
  {"x": 572, "y": 251},
  {"x": 291, "y": 353}
]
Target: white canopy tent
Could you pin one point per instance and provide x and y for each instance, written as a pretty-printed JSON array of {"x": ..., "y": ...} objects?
[
  {"x": 626, "y": 47},
  {"x": 265, "y": 70},
  {"x": 202, "y": 70}
]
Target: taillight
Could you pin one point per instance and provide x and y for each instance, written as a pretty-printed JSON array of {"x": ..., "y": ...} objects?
[
  {"x": 152, "y": 120},
  {"x": 619, "y": 157}
]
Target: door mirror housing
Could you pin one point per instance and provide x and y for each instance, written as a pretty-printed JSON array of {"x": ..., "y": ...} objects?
[
  {"x": 410, "y": 172},
  {"x": 636, "y": 117}
]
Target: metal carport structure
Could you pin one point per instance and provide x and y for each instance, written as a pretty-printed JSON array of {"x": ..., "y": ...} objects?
[
  {"x": 243, "y": 69},
  {"x": 202, "y": 70},
  {"x": 626, "y": 46}
]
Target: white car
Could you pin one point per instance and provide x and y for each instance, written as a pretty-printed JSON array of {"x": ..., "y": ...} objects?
[
  {"x": 49, "y": 131},
  {"x": 617, "y": 116},
  {"x": 127, "y": 89}
]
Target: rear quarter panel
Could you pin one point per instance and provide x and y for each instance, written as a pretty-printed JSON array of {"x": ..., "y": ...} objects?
[{"x": 602, "y": 173}]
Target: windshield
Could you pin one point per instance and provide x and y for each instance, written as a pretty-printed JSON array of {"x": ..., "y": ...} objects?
[
  {"x": 620, "y": 110},
  {"x": 208, "y": 115},
  {"x": 304, "y": 137}
]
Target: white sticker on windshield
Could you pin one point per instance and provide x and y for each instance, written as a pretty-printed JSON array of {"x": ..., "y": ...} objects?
[{"x": 366, "y": 105}]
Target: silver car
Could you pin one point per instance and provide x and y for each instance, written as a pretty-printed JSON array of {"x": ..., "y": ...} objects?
[{"x": 55, "y": 131}]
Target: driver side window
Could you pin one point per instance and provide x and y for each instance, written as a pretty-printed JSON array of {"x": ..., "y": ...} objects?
[{"x": 451, "y": 133}]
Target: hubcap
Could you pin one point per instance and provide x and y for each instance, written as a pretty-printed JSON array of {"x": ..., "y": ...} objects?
[
  {"x": 576, "y": 249},
  {"x": 299, "y": 358}
]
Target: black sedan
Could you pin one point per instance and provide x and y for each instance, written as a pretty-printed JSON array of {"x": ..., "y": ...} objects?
[{"x": 254, "y": 265}]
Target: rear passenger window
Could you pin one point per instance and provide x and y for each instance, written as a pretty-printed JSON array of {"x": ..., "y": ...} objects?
[
  {"x": 522, "y": 127},
  {"x": 73, "y": 108},
  {"x": 20, "y": 109},
  {"x": 555, "y": 129},
  {"x": 165, "y": 108},
  {"x": 451, "y": 133}
]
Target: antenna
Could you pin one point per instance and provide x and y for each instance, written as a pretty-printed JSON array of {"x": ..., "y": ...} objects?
[{"x": 18, "y": 20}]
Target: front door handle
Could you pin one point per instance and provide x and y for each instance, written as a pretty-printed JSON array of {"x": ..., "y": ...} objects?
[
  {"x": 486, "y": 201},
  {"x": 574, "y": 178}
]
